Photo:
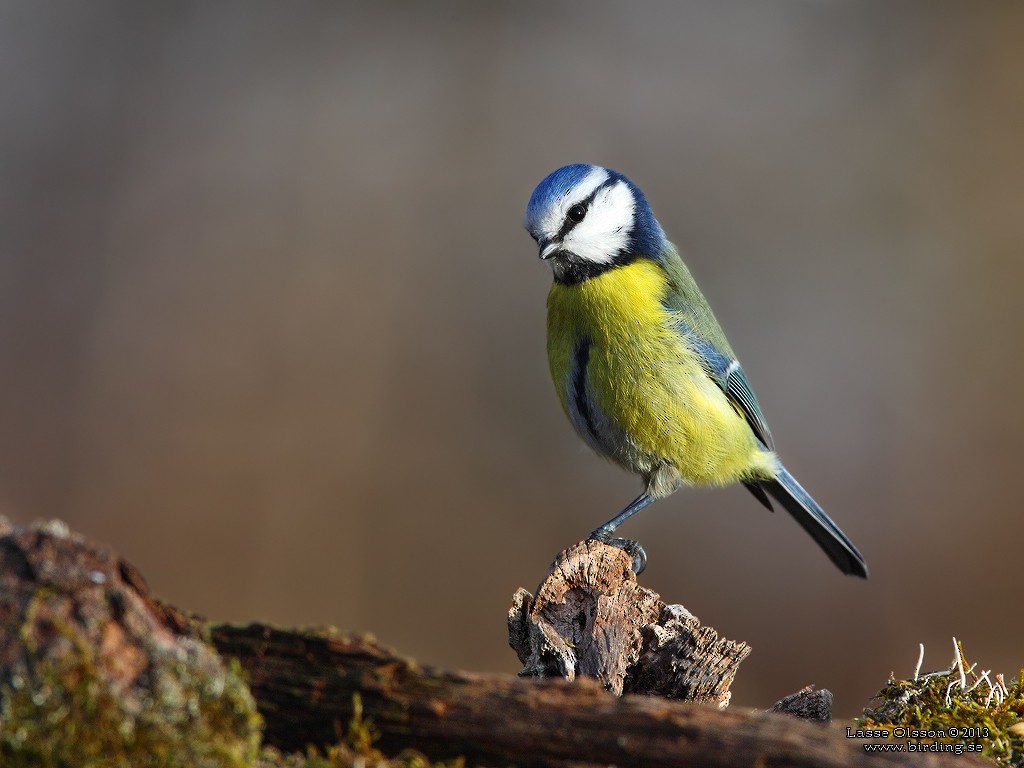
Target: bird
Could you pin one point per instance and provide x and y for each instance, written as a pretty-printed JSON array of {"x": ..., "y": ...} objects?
[{"x": 641, "y": 366}]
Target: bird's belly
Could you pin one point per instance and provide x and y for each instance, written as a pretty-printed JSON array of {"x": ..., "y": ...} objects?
[
  {"x": 633, "y": 388},
  {"x": 661, "y": 408}
]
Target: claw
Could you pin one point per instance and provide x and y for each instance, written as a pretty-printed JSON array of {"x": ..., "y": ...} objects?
[{"x": 630, "y": 546}]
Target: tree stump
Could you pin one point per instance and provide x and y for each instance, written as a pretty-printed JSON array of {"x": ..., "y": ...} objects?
[{"x": 590, "y": 617}]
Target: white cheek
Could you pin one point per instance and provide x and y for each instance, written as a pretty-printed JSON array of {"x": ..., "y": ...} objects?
[{"x": 606, "y": 229}]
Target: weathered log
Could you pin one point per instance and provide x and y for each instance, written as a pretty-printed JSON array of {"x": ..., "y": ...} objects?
[
  {"x": 94, "y": 672},
  {"x": 808, "y": 704},
  {"x": 91, "y": 666},
  {"x": 304, "y": 682},
  {"x": 591, "y": 618}
]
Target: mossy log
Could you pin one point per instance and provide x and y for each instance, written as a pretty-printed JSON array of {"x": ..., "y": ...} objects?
[
  {"x": 94, "y": 670},
  {"x": 304, "y": 682}
]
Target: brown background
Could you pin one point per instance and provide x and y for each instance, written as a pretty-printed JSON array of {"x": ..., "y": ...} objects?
[{"x": 270, "y": 325}]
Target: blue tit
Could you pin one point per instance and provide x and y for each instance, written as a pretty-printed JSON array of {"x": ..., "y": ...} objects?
[{"x": 641, "y": 366}]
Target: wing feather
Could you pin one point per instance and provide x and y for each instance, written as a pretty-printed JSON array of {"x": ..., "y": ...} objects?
[
  {"x": 726, "y": 371},
  {"x": 737, "y": 388}
]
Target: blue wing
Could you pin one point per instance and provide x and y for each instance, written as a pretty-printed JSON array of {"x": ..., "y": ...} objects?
[
  {"x": 725, "y": 371},
  {"x": 728, "y": 374}
]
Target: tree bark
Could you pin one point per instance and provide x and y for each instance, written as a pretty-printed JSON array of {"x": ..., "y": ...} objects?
[
  {"x": 304, "y": 683},
  {"x": 590, "y": 617},
  {"x": 80, "y": 633}
]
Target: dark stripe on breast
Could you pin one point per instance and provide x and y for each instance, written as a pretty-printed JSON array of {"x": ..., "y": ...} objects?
[{"x": 579, "y": 386}]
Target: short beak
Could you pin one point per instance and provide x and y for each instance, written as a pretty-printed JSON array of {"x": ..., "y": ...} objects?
[{"x": 547, "y": 250}]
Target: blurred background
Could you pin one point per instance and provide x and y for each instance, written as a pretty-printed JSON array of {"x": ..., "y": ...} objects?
[{"x": 270, "y": 325}]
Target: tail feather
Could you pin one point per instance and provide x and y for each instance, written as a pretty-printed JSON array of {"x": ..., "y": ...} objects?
[
  {"x": 755, "y": 487},
  {"x": 789, "y": 493}
]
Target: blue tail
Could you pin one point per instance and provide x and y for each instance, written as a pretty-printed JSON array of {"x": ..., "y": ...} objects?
[{"x": 789, "y": 493}]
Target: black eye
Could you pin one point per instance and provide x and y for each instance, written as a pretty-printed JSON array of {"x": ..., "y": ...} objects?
[{"x": 576, "y": 213}]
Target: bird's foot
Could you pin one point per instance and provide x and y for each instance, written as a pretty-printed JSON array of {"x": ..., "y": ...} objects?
[{"x": 630, "y": 546}]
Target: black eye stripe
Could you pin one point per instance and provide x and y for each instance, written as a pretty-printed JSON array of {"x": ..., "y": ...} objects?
[{"x": 585, "y": 202}]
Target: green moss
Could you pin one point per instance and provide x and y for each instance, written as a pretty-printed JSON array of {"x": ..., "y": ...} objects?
[
  {"x": 187, "y": 708},
  {"x": 65, "y": 713},
  {"x": 91, "y": 676},
  {"x": 356, "y": 751},
  {"x": 342, "y": 756},
  {"x": 61, "y": 707},
  {"x": 963, "y": 705}
]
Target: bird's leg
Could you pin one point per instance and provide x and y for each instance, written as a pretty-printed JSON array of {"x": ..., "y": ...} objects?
[
  {"x": 630, "y": 546},
  {"x": 605, "y": 531}
]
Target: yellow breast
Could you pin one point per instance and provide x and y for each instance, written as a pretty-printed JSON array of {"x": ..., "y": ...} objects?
[{"x": 646, "y": 381}]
